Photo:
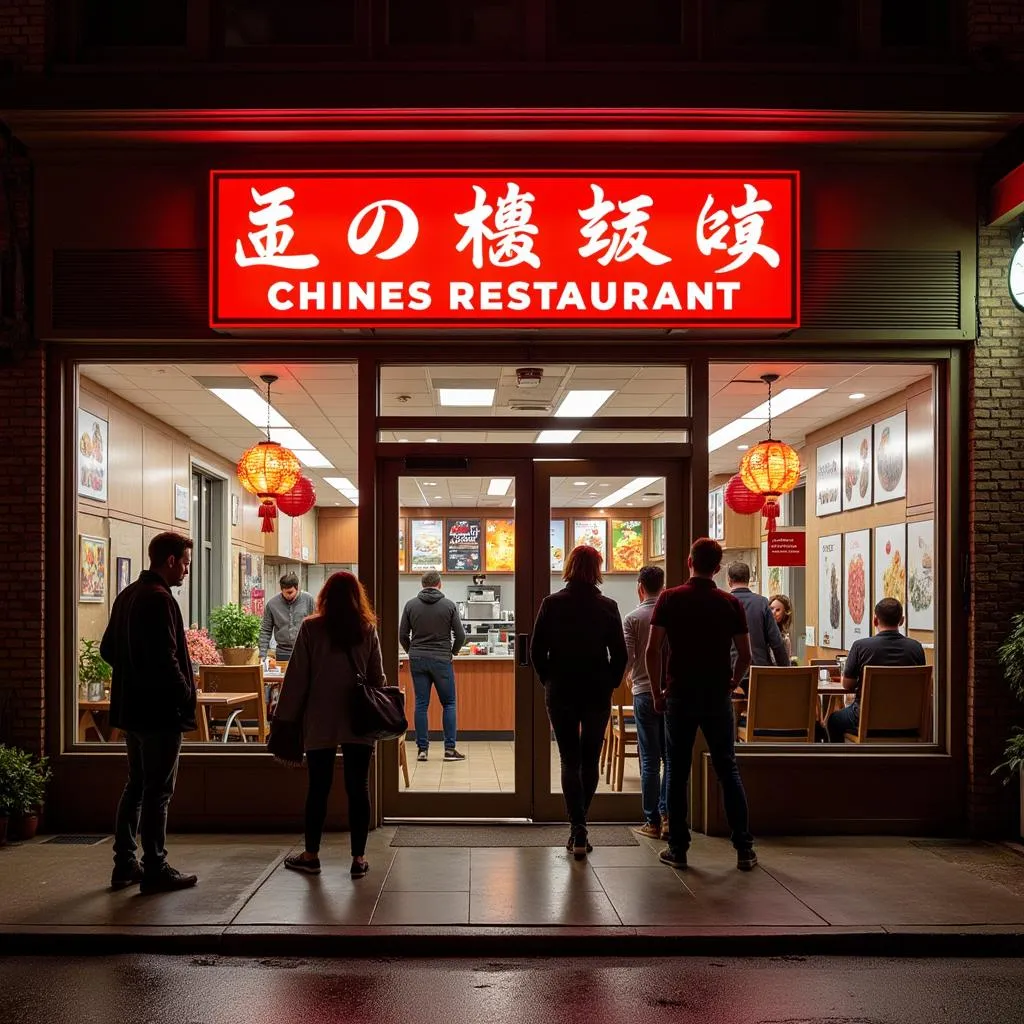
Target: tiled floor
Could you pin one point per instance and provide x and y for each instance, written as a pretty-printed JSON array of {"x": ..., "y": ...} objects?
[{"x": 489, "y": 768}]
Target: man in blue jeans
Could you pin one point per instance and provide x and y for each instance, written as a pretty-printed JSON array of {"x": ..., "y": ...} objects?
[
  {"x": 701, "y": 624},
  {"x": 650, "y": 724},
  {"x": 431, "y": 633}
]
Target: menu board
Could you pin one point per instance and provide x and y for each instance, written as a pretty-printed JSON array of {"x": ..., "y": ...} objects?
[
  {"x": 920, "y": 575},
  {"x": 857, "y": 474},
  {"x": 401, "y": 545},
  {"x": 463, "y": 550},
  {"x": 500, "y": 545},
  {"x": 856, "y": 595},
  {"x": 830, "y": 583},
  {"x": 427, "y": 544},
  {"x": 828, "y": 481},
  {"x": 658, "y": 537},
  {"x": 627, "y": 545},
  {"x": 557, "y": 545},
  {"x": 891, "y": 564},
  {"x": 891, "y": 458},
  {"x": 593, "y": 533}
]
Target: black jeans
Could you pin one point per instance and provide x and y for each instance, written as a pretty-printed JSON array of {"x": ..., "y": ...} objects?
[
  {"x": 356, "y": 767},
  {"x": 579, "y": 719},
  {"x": 713, "y": 715},
  {"x": 152, "y": 770}
]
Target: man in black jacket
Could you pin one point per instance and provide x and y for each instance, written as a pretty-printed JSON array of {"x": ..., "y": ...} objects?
[
  {"x": 153, "y": 701},
  {"x": 766, "y": 646}
]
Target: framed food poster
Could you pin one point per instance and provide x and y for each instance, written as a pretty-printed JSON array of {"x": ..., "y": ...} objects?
[
  {"x": 856, "y": 580},
  {"x": 921, "y": 575},
  {"x": 92, "y": 456},
  {"x": 593, "y": 533},
  {"x": 720, "y": 514},
  {"x": 557, "y": 545},
  {"x": 92, "y": 569},
  {"x": 658, "y": 537},
  {"x": 891, "y": 564},
  {"x": 891, "y": 458},
  {"x": 462, "y": 552},
  {"x": 857, "y": 469},
  {"x": 828, "y": 480},
  {"x": 830, "y": 591},
  {"x": 711, "y": 514},
  {"x": 181, "y": 503},
  {"x": 500, "y": 545},
  {"x": 627, "y": 545},
  {"x": 426, "y": 544},
  {"x": 774, "y": 578},
  {"x": 401, "y": 545},
  {"x": 124, "y": 574}
]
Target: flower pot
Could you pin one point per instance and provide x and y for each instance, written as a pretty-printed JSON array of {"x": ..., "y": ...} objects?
[
  {"x": 22, "y": 826},
  {"x": 240, "y": 655},
  {"x": 3, "y": 830}
]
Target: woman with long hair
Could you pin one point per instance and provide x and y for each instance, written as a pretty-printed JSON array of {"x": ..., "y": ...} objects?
[
  {"x": 782, "y": 608},
  {"x": 579, "y": 652},
  {"x": 334, "y": 644}
]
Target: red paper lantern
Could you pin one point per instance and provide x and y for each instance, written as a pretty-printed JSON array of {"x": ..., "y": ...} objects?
[
  {"x": 741, "y": 498},
  {"x": 299, "y": 500}
]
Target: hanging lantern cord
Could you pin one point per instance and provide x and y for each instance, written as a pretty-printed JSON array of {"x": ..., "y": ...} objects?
[
  {"x": 268, "y": 379},
  {"x": 769, "y": 379}
]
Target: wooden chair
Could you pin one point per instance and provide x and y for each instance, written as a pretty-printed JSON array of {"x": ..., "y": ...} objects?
[
  {"x": 403, "y": 755},
  {"x": 623, "y": 726},
  {"x": 895, "y": 705},
  {"x": 622, "y": 697},
  {"x": 781, "y": 706},
  {"x": 236, "y": 679}
]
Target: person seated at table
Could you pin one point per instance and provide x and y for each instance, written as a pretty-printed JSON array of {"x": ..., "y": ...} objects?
[
  {"x": 766, "y": 647},
  {"x": 782, "y": 610},
  {"x": 887, "y": 647}
]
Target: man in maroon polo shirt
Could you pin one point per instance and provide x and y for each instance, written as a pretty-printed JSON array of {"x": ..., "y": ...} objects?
[{"x": 702, "y": 624}]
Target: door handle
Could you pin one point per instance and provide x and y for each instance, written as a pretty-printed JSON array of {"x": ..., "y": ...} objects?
[{"x": 523, "y": 649}]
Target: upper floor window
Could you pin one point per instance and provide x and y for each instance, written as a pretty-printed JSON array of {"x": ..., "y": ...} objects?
[
  {"x": 613, "y": 23},
  {"x": 295, "y": 23},
  {"x": 482, "y": 24},
  {"x": 131, "y": 23}
]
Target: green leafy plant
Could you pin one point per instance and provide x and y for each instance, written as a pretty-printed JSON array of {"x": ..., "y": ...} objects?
[
  {"x": 1011, "y": 658},
  {"x": 231, "y": 626},
  {"x": 23, "y": 781},
  {"x": 91, "y": 666}
]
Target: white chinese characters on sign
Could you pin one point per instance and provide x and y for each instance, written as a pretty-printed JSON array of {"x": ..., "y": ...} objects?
[
  {"x": 274, "y": 236},
  {"x": 747, "y": 226},
  {"x": 362, "y": 242},
  {"x": 629, "y": 233},
  {"x": 511, "y": 233}
]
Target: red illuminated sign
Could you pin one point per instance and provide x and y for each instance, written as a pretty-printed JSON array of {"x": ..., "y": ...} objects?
[
  {"x": 459, "y": 249},
  {"x": 787, "y": 548}
]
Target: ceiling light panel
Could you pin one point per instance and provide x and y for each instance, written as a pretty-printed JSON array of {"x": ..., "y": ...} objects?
[
  {"x": 758, "y": 416},
  {"x": 557, "y": 436},
  {"x": 249, "y": 404},
  {"x": 582, "y": 403},
  {"x": 626, "y": 491},
  {"x": 499, "y": 487},
  {"x": 466, "y": 397}
]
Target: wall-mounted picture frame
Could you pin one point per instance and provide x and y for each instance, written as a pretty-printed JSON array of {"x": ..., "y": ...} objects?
[
  {"x": 558, "y": 551},
  {"x": 891, "y": 565},
  {"x": 921, "y": 575},
  {"x": 594, "y": 534},
  {"x": 426, "y": 538},
  {"x": 857, "y": 474},
  {"x": 181, "y": 503},
  {"x": 627, "y": 553},
  {"x": 830, "y": 592},
  {"x": 891, "y": 458},
  {"x": 657, "y": 536},
  {"x": 92, "y": 569},
  {"x": 92, "y": 456},
  {"x": 124, "y": 574},
  {"x": 234, "y": 509},
  {"x": 828, "y": 480},
  {"x": 856, "y": 586}
]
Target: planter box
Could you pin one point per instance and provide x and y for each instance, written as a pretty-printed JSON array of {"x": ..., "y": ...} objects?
[{"x": 240, "y": 655}]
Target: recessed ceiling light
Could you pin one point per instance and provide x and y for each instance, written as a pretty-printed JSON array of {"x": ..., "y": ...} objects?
[
  {"x": 630, "y": 504},
  {"x": 499, "y": 487},
  {"x": 742, "y": 447},
  {"x": 429, "y": 483},
  {"x": 582, "y": 403},
  {"x": 403, "y": 440},
  {"x": 593, "y": 494},
  {"x": 579, "y": 483},
  {"x": 604, "y": 485},
  {"x": 466, "y": 396},
  {"x": 758, "y": 416},
  {"x": 557, "y": 436},
  {"x": 857, "y": 396},
  {"x": 433, "y": 440}
]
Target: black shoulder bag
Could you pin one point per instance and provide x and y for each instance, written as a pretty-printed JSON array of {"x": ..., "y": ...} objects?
[
  {"x": 284, "y": 743},
  {"x": 378, "y": 712}
]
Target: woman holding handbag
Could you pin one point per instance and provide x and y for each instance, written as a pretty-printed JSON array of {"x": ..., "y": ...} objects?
[{"x": 336, "y": 654}]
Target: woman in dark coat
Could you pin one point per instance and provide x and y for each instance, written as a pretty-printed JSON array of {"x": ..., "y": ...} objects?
[
  {"x": 334, "y": 643},
  {"x": 579, "y": 653}
]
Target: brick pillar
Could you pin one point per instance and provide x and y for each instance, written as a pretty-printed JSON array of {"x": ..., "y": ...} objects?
[{"x": 996, "y": 462}]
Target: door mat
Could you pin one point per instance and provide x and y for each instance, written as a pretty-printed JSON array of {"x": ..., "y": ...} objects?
[{"x": 508, "y": 835}]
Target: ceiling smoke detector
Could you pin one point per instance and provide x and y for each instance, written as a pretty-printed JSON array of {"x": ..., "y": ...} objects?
[{"x": 529, "y": 376}]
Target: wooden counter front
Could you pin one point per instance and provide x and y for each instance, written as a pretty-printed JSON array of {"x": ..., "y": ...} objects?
[{"x": 484, "y": 695}]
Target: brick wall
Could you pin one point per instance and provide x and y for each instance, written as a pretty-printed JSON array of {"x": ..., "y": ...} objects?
[
  {"x": 23, "y": 34},
  {"x": 996, "y": 433}
]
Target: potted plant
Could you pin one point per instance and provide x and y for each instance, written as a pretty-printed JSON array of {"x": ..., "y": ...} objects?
[
  {"x": 201, "y": 648},
  {"x": 22, "y": 788},
  {"x": 1011, "y": 657},
  {"x": 236, "y": 634},
  {"x": 93, "y": 672}
]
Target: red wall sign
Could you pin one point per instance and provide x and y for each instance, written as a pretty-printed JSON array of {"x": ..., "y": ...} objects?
[
  {"x": 787, "y": 548},
  {"x": 458, "y": 249}
]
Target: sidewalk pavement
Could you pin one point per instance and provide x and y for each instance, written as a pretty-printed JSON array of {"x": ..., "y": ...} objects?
[{"x": 858, "y": 895}]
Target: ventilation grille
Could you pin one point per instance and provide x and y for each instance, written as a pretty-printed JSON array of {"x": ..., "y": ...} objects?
[
  {"x": 864, "y": 290},
  {"x": 842, "y": 289},
  {"x": 70, "y": 840},
  {"x": 101, "y": 289}
]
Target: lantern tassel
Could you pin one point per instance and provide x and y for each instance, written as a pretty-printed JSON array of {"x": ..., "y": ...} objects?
[
  {"x": 771, "y": 513},
  {"x": 268, "y": 513}
]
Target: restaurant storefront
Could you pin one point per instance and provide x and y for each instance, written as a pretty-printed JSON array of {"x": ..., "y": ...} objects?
[{"x": 663, "y": 283}]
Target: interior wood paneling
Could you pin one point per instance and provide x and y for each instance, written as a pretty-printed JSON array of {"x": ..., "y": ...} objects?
[
  {"x": 125, "y": 463},
  {"x": 484, "y": 695},
  {"x": 158, "y": 476},
  {"x": 921, "y": 453},
  {"x": 337, "y": 536}
]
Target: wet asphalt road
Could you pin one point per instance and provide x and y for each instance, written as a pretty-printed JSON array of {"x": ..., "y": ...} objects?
[{"x": 781, "y": 990}]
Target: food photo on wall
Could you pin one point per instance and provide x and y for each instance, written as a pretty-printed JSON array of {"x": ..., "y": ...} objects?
[
  {"x": 921, "y": 575},
  {"x": 856, "y": 582},
  {"x": 830, "y": 589},
  {"x": 828, "y": 481},
  {"x": 891, "y": 564},
  {"x": 857, "y": 469},
  {"x": 891, "y": 458}
]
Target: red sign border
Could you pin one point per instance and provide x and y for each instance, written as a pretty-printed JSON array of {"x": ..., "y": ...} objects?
[{"x": 432, "y": 323}]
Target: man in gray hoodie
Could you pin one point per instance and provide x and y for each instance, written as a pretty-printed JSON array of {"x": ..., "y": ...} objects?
[
  {"x": 430, "y": 633},
  {"x": 282, "y": 617}
]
